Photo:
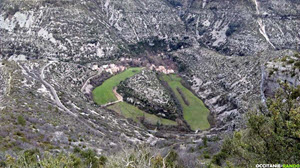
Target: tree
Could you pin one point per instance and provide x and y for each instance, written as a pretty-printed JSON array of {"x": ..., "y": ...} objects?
[{"x": 272, "y": 136}]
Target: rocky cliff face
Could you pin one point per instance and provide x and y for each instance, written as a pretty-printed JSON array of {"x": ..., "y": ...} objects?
[
  {"x": 82, "y": 31},
  {"x": 235, "y": 27},
  {"x": 220, "y": 46},
  {"x": 282, "y": 69},
  {"x": 85, "y": 31}
]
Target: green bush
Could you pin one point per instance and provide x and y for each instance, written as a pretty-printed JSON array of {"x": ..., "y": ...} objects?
[
  {"x": 205, "y": 139},
  {"x": 272, "y": 135},
  {"x": 76, "y": 149},
  {"x": 21, "y": 120},
  {"x": 271, "y": 73},
  {"x": 297, "y": 64},
  {"x": 218, "y": 158},
  {"x": 171, "y": 160},
  {"x": 132, "y": 158},
  {"x": 102, "y": 160},
  {"x": 284, "y": 59},
  {"x": 90, "y": 158},
  {"x": 30, "y": 156},
  {"x": 291, "y": 61},
  {"x": 206, "y": 155}
]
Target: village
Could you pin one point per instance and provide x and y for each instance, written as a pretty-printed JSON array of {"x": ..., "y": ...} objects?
[{"x": 114, "y": 69}]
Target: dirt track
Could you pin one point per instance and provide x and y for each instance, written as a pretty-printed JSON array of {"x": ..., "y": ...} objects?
[{"x": 118, "y": 96}]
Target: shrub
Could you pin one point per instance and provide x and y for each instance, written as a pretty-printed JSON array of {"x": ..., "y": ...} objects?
[
  {"x": 128, "y": 158},
  {"x": 297, "y": 64},
  {"x": 77, "y": 149},
  {"x": 21, "y": 120},
  {"x": 90, "y": 158},
  {"x": 13, "y": 10},
  {"x": 283, "y": 59},
  {"x": 291, "y": 61},
  {"x": 191, "y": 149},
  {"x": 31, "y": 153},
  {"x": 218, "y": 158},
  {"x": 272, "y": 136},
  {"x": 102, "y": 160},
  {"x": 157, "y": 162},
  {"x": 76, "y": 161},
  {"x": 271, "y": 73},
  {"x": 171, "y": 160},
  {"x": 206, "y": 155},
  {"x": 182, "y": 67},
  {"x": 232, "y": 27},
  {"x": 205, "y": 141}
]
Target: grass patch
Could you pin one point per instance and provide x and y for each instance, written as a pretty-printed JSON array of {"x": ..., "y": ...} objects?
[
  {"x": 183, "y": 96},
  {"x": 104, "y": 93},
  {"x": 195, "y": 113},
  {"x": 130, "y": 111}
]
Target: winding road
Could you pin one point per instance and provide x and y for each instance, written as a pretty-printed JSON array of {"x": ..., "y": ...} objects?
[
  {"x": 41, "y": 77},
  {"x": 88, "y": 81},
  {"x": 53, "y": 91}
]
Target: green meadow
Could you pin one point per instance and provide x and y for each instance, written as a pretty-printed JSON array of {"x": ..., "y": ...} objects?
[
  {"x": 104, "y": 93},
  {"x": 195, "y": 113},
  {"x": 130, "y": 111}
]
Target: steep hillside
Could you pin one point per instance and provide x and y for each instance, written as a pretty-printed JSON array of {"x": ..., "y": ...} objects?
[{"x": 54, "y": 53}]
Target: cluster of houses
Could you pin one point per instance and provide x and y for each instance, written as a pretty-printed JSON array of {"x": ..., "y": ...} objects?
[
  {"x": 161, "y": 69},
  {"x": 111, "y": 68}
]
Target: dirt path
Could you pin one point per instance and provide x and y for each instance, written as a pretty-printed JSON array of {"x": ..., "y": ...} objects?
[
  {"x": 88, "y": 82},
  {"x": 118, "y": 96}
]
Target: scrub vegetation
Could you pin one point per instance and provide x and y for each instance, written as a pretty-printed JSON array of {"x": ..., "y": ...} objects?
[{"x": 272, "y": 135}]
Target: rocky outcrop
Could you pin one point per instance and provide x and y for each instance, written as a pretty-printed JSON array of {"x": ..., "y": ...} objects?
[
  {"x": 85, "y": 31},
  {"x": 145, "y": 91},
  {"x": 283, "y": 69},
  {"x": 234, "y": 27}
]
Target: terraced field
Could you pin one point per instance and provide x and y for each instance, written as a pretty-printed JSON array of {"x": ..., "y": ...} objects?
[
  {"x": 194, "y": 112},
  {"x": 104, "y": 93}
]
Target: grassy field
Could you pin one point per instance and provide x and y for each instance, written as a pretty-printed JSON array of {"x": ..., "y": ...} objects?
[
  {"x": 104, "y": 93},
  {"x": 130, "y": 111},
  {"x": 195, "y": 113}
]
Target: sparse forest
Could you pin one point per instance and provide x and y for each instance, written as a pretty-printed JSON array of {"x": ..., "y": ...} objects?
[{"x": 272, "y": 135}]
